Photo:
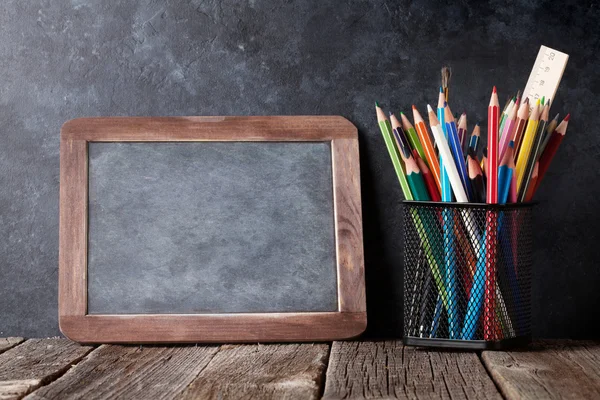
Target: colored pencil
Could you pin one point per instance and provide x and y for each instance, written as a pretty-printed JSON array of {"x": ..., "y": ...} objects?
[
  {"x": 456, "y": 148},
  {"x": 505, "y": 173},
  {"x": 533, "y": 182},
  {"x": 462, "y": 131},
  {"x": 507, "y": 134},
  {"x": 474, "y": 140},
  {"x": 461, "y": 196},
  {"x": 430, "y": 154},
  {"x": 434, "y": 263},
  {"x": 505, "y": 113},
  {"x": 490, "y": 328},
  {"x": 446, "y": 156},
  {"x": 441, "y": 117},
  {"x": 413, "y": 174},
  {"x": 476, "y": 178},
  {"x": 413, "y": 138},
  {"x": 556, "y": 138},
  {"x": 534, "y": 154},
  {"x": 521, "y": 123},
  {"x": 484, "y": 164},
  {"x": 551, "y": 127},
  {"x": 386, "y": 131},
  {"x": 492, "y": 167},
  {"x": 526, "y": 145},
  {"x": 432, "y": 188}
]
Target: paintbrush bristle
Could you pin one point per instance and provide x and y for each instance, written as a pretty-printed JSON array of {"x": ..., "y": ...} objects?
[{"x": 446, "y": 75}]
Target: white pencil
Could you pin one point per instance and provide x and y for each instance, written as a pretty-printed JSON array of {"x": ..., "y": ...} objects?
[{"x": 447, "y": 159}]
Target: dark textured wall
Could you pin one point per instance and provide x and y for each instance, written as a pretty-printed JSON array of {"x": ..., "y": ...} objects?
[{"x": 65, "y": 59}]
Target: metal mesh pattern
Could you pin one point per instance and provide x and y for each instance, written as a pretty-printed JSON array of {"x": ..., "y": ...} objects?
[{"x": 467, "y": 271}]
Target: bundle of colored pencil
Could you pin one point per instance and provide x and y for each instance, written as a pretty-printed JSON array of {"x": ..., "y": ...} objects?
[
  {"x": 447, "y": 174},
  {"x": 521, "y": 143}
]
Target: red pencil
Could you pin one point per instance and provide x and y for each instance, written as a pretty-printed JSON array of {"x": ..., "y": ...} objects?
[
  {"x": 430, "y": 184},
  {"x": 492, "y": 167},
  {"x": 533, "y": 181},
  {"x": 491, "y": 329},
  {"x": 557, "y": 136}
]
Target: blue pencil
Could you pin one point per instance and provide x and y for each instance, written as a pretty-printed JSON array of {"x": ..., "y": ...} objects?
[
  {"x": 445, "y": 180},
  {"x": 448, "y": 229},
  {"x": 505, "y": 173},
  {"x": 476, "y": 296},
  {"x": 456, "y": 148}
]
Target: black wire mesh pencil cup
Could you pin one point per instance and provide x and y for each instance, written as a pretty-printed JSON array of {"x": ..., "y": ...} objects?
[{"x": 467, "y": 274}]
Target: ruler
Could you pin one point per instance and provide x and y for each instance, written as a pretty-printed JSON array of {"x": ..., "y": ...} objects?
[{"x": 545, "y": 75}]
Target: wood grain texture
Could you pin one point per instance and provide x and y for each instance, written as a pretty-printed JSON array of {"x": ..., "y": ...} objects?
[
  {"x": 72, "y": 251},
  {"x": 131, "y": 372},
  {"x": 384, "y": 370},
  {"x": 215, "y": 328},
  {"x": 290, "y": 371},
  {"x": 35, "y": 363},
  {"x": 9, "y": 343},
  {"x": 75, "y": 324},
  {"x": 348, "y": 224},
  {"x": 548, "y": 370},
  {"x": 267, "y": 128}
]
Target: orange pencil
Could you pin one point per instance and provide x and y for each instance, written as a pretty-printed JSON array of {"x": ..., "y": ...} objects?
[{"x": 432, "y": 158}]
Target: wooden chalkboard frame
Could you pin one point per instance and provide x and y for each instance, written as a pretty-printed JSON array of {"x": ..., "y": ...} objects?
[{"x": 350, "y": 319}]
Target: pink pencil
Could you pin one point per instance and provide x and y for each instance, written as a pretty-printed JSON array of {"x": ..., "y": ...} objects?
[{"x": 507, "y": 133}]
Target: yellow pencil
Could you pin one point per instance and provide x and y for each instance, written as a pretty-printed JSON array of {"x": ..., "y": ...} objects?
[{"x": 527, "y": 143}]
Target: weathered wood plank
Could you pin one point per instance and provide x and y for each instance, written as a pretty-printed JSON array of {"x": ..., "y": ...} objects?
[
  {"x": 35, "y": 363},
  {"x": 286, "y": 371},
  {"x": 378, "y": 370},
  {"x": 9, "y": 343},
  {"x": 125, "y": 372},
  {"x": 548, "y": 369}
]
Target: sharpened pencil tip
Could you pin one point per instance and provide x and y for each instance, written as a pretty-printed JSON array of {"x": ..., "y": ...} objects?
[
  {"x": 511, "y": 143},
  {"x": 377, "y": 104},
  {"x": 568, "y": 117},
  {"x": 477, "y": 124},
  {"x": 401, "y": 113},
  {"x": 413, "y": 107},
  {"x": 445, "y": 104},
  {"x": 526, "y": 100},
  {"x": 494, "y": 89},
  {"x": 429, "y": 108},
  {"x": 441, "y": 89}
]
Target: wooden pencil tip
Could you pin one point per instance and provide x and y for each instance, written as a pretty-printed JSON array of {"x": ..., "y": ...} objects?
[
  {"x": 441, "y": 89},
  {"x": 511, "y": 143},
  {"x": 377, "y": 104},
  {"x": 429, "y": 109},
  {"x": 494, "y": 89},
  {"x": 526, "y": 100},
  {"x": 413, "y": 107},
  {"x": 568, "y": 117},
  {"x": 477, "y": 124},
  {"x": 445, "y": 104}
]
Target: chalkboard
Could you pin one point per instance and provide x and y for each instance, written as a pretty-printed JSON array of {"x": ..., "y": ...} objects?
[{"x": 210, "y": 229}]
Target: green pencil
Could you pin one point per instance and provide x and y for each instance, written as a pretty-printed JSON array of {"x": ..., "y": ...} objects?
[
  {"x": 413, "y": 173},
  {"x": 413, "y": 138},
  {"x": 386, "y": 131}
]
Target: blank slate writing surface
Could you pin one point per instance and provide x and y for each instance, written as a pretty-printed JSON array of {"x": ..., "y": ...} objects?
[{"x": 211, "y": 227}]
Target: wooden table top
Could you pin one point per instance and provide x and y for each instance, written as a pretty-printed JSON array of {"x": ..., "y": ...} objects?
[{"x": 60, "y": 369}]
